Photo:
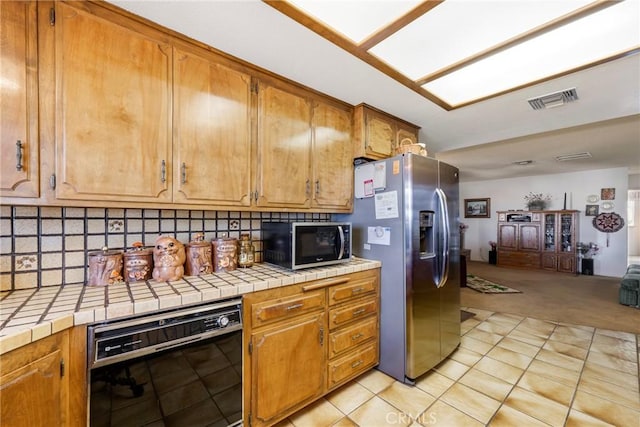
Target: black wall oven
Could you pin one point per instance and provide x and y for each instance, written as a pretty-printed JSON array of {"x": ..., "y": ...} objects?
[{"x": 180, "y": 367}]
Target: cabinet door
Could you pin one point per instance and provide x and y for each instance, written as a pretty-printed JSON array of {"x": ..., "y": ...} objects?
[
  {"x": 284, "y": 148},
  {"x": 288, "y": 366},
  {"x": 567, "y": 263},
  {"x": 379, "y": 135},
  {"x": 19, "y": 175},
  {"x": 212, "y": 132},
  {"x": 31, "y": 395},
  {"x": 405, "y": 136},
  {"x": 507, "y": 236},
  {"x": 331, "y": 158},
  {"x": 113, "y": 108},
  {"x": 549, "y": 261},
  {"x": 529, "y": 237}
]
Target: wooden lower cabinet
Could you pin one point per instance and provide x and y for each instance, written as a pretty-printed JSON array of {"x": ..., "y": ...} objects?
[
  {"x": 304, "y": 340},
  {"x": 288, "y": 366},
  {"x": 44, "y": 383}
]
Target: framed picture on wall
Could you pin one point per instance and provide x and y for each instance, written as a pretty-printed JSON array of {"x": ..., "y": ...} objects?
[
  {"x": 477, "y": 208},
  {"x": 608, "y": 193},
  {"x": 591, "y": 210}
]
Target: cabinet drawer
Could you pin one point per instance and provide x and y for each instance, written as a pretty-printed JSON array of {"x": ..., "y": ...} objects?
[
  {"x": 352, "y": 364},
  {"x": 282, "y": 308},
  {"x": 342, "y": 315},
  {"x": 342, "y": 293},
  {"x": 519, "y": 259},
  {"x": 352, "y": 336}
]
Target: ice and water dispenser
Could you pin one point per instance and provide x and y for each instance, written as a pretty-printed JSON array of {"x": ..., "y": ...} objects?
[{"x": 427, "y": 238}]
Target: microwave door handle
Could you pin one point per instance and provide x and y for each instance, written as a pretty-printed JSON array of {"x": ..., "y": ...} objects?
[{"x": 341, "y": 232}]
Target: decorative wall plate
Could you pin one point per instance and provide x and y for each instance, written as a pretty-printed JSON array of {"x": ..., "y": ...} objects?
[
  {"x": 608, "y": 206},
  {"x": 608, "y": 222},
  {"x": 592, "y": 198}
]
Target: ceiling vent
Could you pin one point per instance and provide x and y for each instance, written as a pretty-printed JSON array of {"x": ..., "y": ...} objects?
[
  {"x": 554, "y": 99},
  {"x": 576, "y": 156}
]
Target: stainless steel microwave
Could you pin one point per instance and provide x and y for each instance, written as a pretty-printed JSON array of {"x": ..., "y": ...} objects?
[{"x": 297, "y": 245}]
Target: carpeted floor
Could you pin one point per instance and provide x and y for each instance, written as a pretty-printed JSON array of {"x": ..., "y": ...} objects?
[{"x": 569, "y": 298}]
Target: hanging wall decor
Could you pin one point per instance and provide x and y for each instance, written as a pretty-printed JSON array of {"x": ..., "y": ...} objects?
[
  {"x": 608, "y": 222},
  {"x": 607, "y": 193}
]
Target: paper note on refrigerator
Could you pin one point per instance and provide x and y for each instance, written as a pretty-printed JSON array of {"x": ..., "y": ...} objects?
[
  {"x": 379, "y": 235},
  {"x": 386, "y": 205}
]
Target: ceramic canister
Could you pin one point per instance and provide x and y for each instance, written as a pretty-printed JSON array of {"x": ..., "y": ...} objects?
[
  {"x": 105, "y": 267},
  {"x": 225, "y": 254},
  {"x": 138, "y": 263},
  {"x": 198, "y": 257}
]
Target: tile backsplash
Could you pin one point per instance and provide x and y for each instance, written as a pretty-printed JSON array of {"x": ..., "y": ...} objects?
[{"x": 48, "y": 246}]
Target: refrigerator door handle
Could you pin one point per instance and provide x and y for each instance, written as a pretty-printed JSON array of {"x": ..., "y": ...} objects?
[
  {"x": 444, "y": 255},
  {"x": 341, "y": 232}
]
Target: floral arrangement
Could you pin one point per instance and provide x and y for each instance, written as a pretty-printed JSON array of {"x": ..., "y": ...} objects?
[
  {"x": 588, "y": 250},
  {"x": 537, "y": 201},
  {"x": 493, "y": 245}
]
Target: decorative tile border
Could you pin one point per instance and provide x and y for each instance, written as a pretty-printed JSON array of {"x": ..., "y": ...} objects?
[{"x": 48, "y": 246}]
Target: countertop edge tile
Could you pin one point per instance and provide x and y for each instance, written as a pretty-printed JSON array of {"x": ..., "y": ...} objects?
[{"x": 223, "y": 285}]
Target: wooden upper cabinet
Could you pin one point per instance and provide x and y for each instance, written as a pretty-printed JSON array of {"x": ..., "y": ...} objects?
[
  {"x": 284, "y": 148},
  {"x": 113, "y": 108},
  {"x": 19, "y": 175},
  {"x": 332, "y": 158},
  {"x": 377, "y": 134},
  {"x": 212, "y": 132}
]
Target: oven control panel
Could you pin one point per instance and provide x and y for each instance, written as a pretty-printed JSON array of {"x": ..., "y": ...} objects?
[{"x": 122, "y": 340}]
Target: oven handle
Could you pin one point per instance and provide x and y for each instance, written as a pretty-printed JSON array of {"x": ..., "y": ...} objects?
[{"x": 175, "y": 344}]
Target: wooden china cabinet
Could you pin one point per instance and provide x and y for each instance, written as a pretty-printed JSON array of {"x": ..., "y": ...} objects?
[{"x": 538, "y": 239}]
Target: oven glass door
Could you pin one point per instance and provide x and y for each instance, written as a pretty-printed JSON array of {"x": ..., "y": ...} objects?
[
  {"x": 198, "y": 384},
  {"x": 315, "y": 244}
]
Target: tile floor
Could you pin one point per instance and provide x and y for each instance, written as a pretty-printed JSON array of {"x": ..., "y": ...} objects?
[{"x": 508, "y": 371}]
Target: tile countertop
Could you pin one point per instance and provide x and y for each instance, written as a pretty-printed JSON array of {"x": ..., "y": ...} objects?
[{"x": 32, "y": 314}]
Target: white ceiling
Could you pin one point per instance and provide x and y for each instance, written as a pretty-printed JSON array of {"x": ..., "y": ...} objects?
[{"x": 482, "y": 139}]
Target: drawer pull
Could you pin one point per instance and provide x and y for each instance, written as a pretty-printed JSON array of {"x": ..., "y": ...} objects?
[
  {"x": 357, "y": 290},
  {"x": 356, "y": 336},
  {"x": 359, "y": 311},
  {"x": 356, "y": 364},
  {"x": 294, "y": 306}
]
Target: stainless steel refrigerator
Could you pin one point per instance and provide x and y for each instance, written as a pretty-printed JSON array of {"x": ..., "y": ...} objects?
[{"x": 406, "y": 214}]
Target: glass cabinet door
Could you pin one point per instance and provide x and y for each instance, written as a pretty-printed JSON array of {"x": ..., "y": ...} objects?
[
  {"x": 566, "y": 232},
  {"x": 550, "y": 232}
]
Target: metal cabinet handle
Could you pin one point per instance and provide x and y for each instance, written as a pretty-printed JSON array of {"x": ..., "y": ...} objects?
[
  {"x": 356, "y": 336},
  {"x": 359, "y": 311},
  {"x": 357, "y": 363},
  {"x": 163, "y": 172},
  {"x": 321, "y": 336},
  {"x": 294, "y": 306},
  {"x": 19, "y": 149},
  {"x": 317, "y": 186},
  {"x": 308, "y": 186},
  {"x": 356, "y": 290},
  {"x": 183, "y": 172}
]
